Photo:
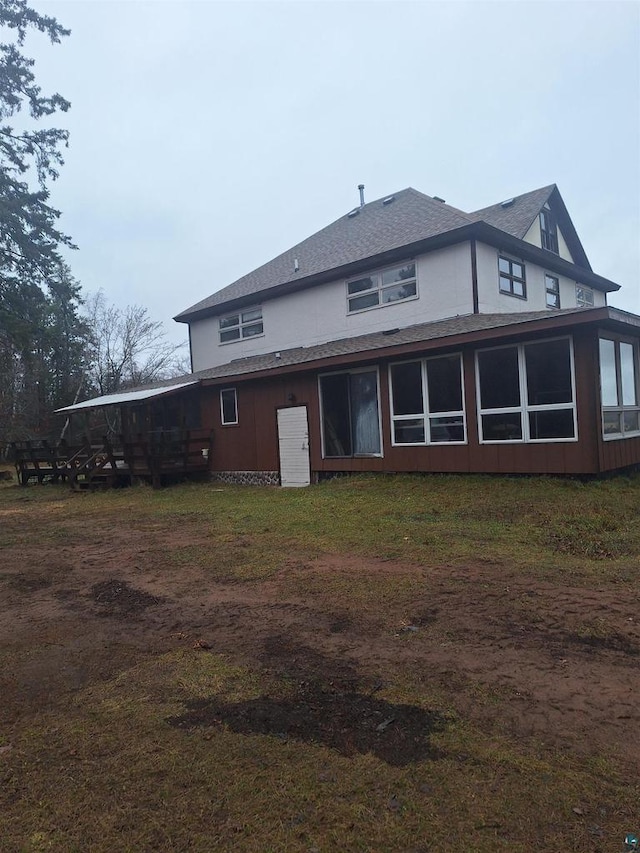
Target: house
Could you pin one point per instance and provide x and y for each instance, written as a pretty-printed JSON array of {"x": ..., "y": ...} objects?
[{"x": 409, "y": 335}]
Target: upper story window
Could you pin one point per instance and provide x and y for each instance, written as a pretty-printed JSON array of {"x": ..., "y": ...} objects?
[
  {"x": 244, "y": 324},
  {"x": 548, "y": 231},
  {"x": 552, "y": 285},
  {"x": 427, "y": 401},
  {"x": 526, "y": 392},
  {"x": 584, "y": 296},
  {"x": 382, "y": 288},
  {"x": 512, "y": 277},
  {"x": 228, "y": 406},
  {"x": 619, "y": 388}
]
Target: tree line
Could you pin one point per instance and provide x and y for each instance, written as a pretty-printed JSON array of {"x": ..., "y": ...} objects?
[{"x": 55, "y": 346}]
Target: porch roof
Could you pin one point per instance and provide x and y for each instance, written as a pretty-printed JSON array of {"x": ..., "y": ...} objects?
[{"x": 132, "y": 396}]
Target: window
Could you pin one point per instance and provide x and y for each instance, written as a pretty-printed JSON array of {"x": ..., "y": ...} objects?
[
  {"x": 382, "y": 288},
  {"x": 427, "y": 401},
  {"x": 552, "y": 285},
  {"x": 512, "y": 279},
  {"x": 619, "y": 388},
  {"x": 548, "y": 231},
  {"x": 350, "y": 414},
  {"x": 525, "y": 392},
  {"x": 584, "y": 296},
  {"x": 244, "y": 324},
  {"x": 228, "y": 406}
]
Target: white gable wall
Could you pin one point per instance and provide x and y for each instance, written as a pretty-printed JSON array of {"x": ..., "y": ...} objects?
[
  {"x": 319, "y": 314},
  {"x": 491, "y": 300},
  {"x": 534, "y": 236}
]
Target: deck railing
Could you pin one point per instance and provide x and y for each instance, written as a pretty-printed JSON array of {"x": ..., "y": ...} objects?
[{"x": 158, "y": 456}]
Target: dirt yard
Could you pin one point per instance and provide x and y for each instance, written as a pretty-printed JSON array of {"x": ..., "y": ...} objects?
[{"x": 353, "y": 654}]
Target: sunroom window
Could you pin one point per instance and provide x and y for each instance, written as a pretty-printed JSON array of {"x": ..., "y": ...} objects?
[
  {"x": 243, "y": 324},
  {"x": 427, "y": 401},
  {"x": 619, "y": 388},
  {"x": 382, "y": 288},
  {"x": 526, "y": 392},
  {"x": 350, "y": 414}
]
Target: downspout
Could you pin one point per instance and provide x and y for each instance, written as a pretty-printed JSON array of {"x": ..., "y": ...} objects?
[
  {"x": 190, "y": 348},
  {"x": 474, "y": 277}
]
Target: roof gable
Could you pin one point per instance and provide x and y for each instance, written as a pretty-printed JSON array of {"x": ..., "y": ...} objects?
[{"x": 516, "y": 215}]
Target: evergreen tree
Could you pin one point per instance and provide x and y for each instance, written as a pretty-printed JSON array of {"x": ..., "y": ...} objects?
[{"x": 39, "y": 323}]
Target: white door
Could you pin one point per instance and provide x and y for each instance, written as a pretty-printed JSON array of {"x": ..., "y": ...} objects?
[{"x": 293, "y": 441}]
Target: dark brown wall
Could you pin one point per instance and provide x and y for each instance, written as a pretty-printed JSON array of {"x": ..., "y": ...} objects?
[{"x": 253, "y": 444}]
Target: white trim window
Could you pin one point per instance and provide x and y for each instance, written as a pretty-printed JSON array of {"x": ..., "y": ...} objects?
[
  {"x": 350, "y": 413},
  {"x": 526, "y": 392},
  {"x": 228, "y": 406},
  {"x": 385, "y": 287},
  {"x": 243, "y": 324},
  {"x": 552, "y": 286},
  {"x": 427, "y": 401},
  {"x": 512, "y": 277},
  {"x": 584, "y": 296},
  {"x": 619, "y": 388}
]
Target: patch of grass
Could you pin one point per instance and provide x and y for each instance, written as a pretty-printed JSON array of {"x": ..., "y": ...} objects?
[
  {"x": 124, "y": 779},
  {"x": 98, "y": 766}
]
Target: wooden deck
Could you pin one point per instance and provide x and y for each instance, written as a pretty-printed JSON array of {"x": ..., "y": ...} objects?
[{"x": 159, "y": 457}]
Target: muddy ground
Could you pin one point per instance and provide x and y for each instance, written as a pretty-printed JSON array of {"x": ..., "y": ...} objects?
[{"x": 518, "y": 655}]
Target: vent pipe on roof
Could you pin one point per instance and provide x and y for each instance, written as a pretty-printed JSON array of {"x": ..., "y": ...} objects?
[{"x": 361, "y": 188}]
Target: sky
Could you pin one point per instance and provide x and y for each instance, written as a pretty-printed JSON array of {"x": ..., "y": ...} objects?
[{"x": 207, "y": 137}]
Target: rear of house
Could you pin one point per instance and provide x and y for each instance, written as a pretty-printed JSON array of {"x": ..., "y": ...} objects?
[{"x": 411, "y": 336}]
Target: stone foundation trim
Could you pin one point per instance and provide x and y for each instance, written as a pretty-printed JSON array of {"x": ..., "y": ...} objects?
[{"x": 247, "y": 478}]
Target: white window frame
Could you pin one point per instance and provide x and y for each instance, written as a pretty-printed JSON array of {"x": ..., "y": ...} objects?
[
  {"x": 549, "y": 291},
  {"x": 241, "y": 324},
  {"x": 426, "y": 415},
  {"x": 582, "y": 299},
  {"x": 621, "y": 408},
  {"x": 321, "y": 413},
  {"x": 380, "y": 288},
  {"x": 524, "y": 409},
  {"x": 235, "y": 402}
]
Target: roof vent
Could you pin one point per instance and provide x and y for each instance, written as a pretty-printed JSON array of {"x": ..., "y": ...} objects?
[
  {"x": 390, "y": 331},
  {"x": 361, "y": 188},
  {"x": 437, "y": 198},
  {"x": 296, "y": 265},
  {"x": 388, "y": 199},
  {"x": 507, "y": 203},
  {"x": 354, "y": 212}
]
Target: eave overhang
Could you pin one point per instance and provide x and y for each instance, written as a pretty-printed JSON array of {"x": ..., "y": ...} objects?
[
  {"x": 480, "y": 231},
  {"x": 605, "y": 317}
]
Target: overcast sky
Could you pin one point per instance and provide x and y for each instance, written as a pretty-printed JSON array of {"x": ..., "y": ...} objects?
[{"x": 208, "y": 137}]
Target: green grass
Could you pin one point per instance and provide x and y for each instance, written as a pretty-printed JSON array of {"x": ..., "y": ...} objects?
[{"x": 97, "y": 767}]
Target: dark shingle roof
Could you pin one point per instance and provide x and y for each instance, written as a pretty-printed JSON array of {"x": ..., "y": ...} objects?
[
  {"x": 435, "y": 330},
  {"x": 517, "y": 217},
  {"x": 376, "y": 228}
]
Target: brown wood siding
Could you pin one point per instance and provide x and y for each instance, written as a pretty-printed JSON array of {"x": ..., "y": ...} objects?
[{"x": 252, "y": 444}]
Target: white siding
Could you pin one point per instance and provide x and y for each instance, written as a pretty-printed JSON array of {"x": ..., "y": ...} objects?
[
  {"x": 490, "y": 299},
  {"x": 319, "y": 314}
]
